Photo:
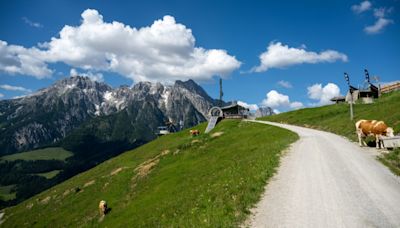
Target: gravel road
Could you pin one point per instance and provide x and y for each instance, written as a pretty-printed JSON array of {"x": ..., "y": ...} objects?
[{"x": 327, "y": 181}]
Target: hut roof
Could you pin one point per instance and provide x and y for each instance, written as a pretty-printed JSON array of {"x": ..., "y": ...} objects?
[
  {"x": 338, "y": 98},
  {"x": 233, "y": 106}
]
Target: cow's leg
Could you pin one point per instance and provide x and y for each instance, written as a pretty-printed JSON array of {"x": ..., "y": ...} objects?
[
  {"x": 381, "y": 144},
  {"x": 363, "y": 141},
  {"x": 359, "y": 138},
  {"x": 377, "y": 141}
]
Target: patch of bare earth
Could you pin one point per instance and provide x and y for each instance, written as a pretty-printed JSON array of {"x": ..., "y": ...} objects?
[
  {"x": 195, "y": 141},
  {"x": 45, "y": 200},
  {"x": 116, "y": 171},
  {"x": 29, "y": 206},
  {"x": 66, "y": 192},
  {"x": 217, "y": 134},
  {"x": 146, "y": 167},
  {"x": 1, "y": 217},
  {"x": 165, "y": 152},
  {"x": 87, "y": 184}
]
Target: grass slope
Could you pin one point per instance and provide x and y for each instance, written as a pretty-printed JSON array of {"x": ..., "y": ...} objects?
[
  {"x": 56, "y": 153},
  {"x": 6, "y": 192},
  {"x": 335, "y": 118},
  {"x": 48, "y": 175},
  {"x": 174, "y": 181}
]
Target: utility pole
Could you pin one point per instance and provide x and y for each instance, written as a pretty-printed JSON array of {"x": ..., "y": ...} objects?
[
  {"x": 346, "y": 76},
  {"x": 221, "y": 94}
]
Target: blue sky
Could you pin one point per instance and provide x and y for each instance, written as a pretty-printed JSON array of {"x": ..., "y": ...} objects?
[{"x": 310, "y": 44}]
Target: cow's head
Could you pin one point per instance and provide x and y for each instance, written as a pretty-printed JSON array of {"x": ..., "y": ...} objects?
[{"x": 389, "y": 132}]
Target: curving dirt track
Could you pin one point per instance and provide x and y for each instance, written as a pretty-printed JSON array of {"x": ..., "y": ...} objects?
[{"x": 327, "y": 181}]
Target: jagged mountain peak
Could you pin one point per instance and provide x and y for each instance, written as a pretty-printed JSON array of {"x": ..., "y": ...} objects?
[
  {"x": 48, "y": 115},
  {"x": 189, "y": 84},
  {"x": 148, "y": 87},
  {"x": 82, "y": 82},
  {"x": 192, "y": 86}
]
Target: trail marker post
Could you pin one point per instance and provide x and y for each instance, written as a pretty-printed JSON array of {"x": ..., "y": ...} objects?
[{"x": 346, "y": 76}]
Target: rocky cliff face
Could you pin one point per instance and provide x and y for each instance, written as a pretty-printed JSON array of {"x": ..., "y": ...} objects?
[
  {"x": 264, "y": 111},
  {"x": 50, "y": 114}
]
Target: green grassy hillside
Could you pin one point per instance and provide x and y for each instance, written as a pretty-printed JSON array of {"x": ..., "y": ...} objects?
[
  {"x": 48, "y": 175},
  {"x": 7, "y": 193},
  {"x": 56, "y": 153},
  {"x": 175, "y": 181},
  {"x": 336, "y": 118},
  {"x": 32, "y": 172}
]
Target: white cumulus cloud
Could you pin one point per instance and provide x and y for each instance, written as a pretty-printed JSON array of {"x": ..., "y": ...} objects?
[
  {"x": 1, "y": 95},
  {"x": 323, "y": 94},
  {"x": 276, "y": 111},
  {"x": 165, "y": 51},
  {"x": 296, "y": 105},
  {"x": 93, "y": 76},
  {"x": 15, "y": 88},
  {"x": 275, "y": 99},
  {"x": 285, "y": 84},
  {"x": 362, "y": 7},
  {"x": 279, "y": 55},
  {"x": 251, "y": 107},
  {"x": 15, "y": 59}
]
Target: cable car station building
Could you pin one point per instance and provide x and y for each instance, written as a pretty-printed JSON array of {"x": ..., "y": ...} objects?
[{"x": 232, "y": 111}]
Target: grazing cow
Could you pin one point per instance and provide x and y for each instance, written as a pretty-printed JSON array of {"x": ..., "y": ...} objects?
[
  {"x": 103, "y": 208},
  {"x": 374, "y": 128},
  {"x": 194, "y": 132}
]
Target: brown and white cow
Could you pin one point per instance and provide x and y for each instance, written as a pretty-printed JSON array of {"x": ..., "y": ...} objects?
[
  {"x": 103, "y": 208},
  {"x": 194, "y": 132},
  {"x": 374, "y": 128}
]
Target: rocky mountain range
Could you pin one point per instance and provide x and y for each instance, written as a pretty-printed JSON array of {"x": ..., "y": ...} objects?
[
  {"x": 264, "y": 111},
  {"x": 51, "y": 114}
]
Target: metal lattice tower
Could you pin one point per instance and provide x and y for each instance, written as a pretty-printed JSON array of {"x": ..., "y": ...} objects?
[{"x": 367, "y": 75}]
